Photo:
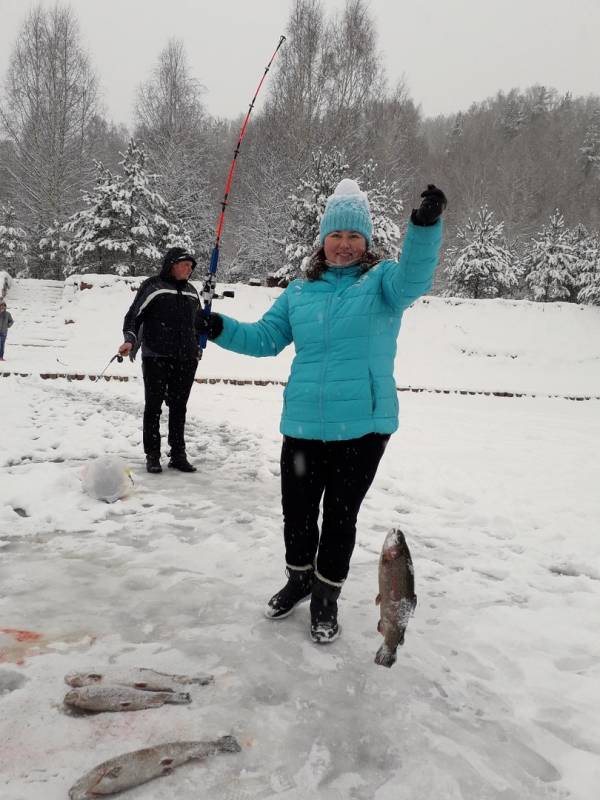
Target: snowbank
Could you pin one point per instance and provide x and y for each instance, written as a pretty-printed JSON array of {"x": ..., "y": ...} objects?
[{"x": 446, "y": 343}]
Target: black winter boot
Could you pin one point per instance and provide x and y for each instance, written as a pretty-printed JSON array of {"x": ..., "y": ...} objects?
[
  {"x": 179, "y": 461},
  {"x": 296, "y": 590},
  {"x": 324, "y": 626},
  {"x": 153, "y": 462}
]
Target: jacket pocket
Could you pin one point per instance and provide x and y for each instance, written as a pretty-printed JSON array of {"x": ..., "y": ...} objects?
[{"x": 372, "y": 389}]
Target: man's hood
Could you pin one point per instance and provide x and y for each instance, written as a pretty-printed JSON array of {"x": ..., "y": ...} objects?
[{"x": 172, "y": 256}]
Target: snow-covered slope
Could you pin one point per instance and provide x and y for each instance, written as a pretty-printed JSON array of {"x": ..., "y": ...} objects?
[
  {"x": 445, "y": 343},
  {"x": 39, "y": 334}
]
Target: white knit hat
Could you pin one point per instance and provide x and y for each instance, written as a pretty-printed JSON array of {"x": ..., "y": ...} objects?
[{"x": 347, "y": 209}]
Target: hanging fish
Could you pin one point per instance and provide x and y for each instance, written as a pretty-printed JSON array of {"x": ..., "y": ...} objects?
[{"x": 396, "y": 598}]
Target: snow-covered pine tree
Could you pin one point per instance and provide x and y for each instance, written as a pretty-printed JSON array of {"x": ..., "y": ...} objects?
[
  {"x": 126, "y": 225},
  {"x": 481, "y": 266},
  {"x": 551, "y": 263},
  {"x": 307, "y": 206},
  {"x": 587, "y": 251},
  {"x": 53, "y": 250},
  {"x": 386, "y": 207},
  {"x": 86, "y": 234},
  {"x": 512, "y": 117},
  {"x": 539, "y": 100},
  {"x": 13, "y": 245},
  {"x": 455, "y": 134},
  {"x": 580, "y": 239},
  {"x": 589, "y": 152}
]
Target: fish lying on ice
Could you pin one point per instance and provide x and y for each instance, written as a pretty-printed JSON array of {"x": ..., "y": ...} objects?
[
  {"x": 132, "y": 769},
  {"x": 121, "y": 698},
  {"x": 396, "y": 598},
  {"x": 136, "y": 678}
]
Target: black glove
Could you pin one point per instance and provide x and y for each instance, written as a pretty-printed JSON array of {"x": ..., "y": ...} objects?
[
  {"x": 210, "y": 326},
  {"x": 431, "y": 208}
]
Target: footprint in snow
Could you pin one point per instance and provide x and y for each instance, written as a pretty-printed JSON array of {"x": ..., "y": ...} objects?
[
  {"x": 10, "y": 681},
  {"x": 570, "y": 571}
]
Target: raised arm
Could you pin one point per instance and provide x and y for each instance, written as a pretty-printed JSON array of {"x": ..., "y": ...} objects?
[
  {"x": 409, "y": 278},
  {"x": 412, "y": 276}
]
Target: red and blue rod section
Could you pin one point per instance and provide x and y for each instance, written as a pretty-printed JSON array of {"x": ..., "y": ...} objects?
[{"x": 211, "y": 279}]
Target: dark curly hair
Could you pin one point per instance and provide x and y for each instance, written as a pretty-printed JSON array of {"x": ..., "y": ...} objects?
[{"x": 317, "y": 264}]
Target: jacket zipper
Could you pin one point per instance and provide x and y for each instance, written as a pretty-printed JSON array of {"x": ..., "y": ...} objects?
[
  {"x": 324, "y": 364},
  {"x": 339, "y": 277}
]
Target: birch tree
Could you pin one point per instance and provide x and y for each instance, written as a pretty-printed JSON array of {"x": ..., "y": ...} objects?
[
  {"x": 50, "y": 99},
  {"x": 171, "y": 121}
]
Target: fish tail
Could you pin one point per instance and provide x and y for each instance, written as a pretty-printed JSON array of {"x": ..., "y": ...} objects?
[
  {"x": 228, "y": 744},
  {"x": 178, "y": 698}
]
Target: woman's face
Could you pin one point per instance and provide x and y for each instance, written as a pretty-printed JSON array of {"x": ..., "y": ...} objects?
[{"x": 344, "y": 247}]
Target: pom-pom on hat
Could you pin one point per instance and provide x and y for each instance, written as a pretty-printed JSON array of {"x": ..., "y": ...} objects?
[{"x": 347, "y": 209}]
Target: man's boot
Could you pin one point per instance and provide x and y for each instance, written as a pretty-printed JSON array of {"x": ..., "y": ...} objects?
[
  {"x": 179, "y": 461},
  {"x": 324, "y": 626},
  {"x": 153, "y": 462},
  {"x": 296, "y": 590}
]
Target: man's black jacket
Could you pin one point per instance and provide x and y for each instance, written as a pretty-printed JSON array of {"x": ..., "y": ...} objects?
[{"x": 165, "y": 316}]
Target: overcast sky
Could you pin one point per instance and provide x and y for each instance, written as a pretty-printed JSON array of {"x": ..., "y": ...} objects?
[{"x": 451, "y": 52}]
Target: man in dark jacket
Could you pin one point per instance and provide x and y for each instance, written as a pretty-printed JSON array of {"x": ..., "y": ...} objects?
[
  {"x": 165, "y": 318},
  {"x": 6, "y": 321}
]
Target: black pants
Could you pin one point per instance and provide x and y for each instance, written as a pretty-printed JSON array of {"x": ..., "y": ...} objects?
[
  {"x": 169, "y": 380},
  {"x": 340, "y": 472}
]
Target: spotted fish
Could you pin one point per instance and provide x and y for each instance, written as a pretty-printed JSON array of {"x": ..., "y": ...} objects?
[
  {"x": 136, "y": 678},
  {"x": 140, "y": 766},
  {"x": 396, "y": 598},
  {"x": 121, "y": 698}
]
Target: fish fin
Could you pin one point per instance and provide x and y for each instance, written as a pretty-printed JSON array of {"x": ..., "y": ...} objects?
[
  {"x": 378, "y": 599},
  {"x": 203, "y": 680},
  {"x": 167, "y": 770},
  {"x": 167, "y": 761},
  {"x": 125, "y": 704},
  {"x": 114, "y": 772},
  {"x": 380, "y": 626},
  {"x": 140, "y": 685}
]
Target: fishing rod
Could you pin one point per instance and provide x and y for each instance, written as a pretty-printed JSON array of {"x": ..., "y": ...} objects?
[
  {"x": 118, "y": 357},
  {"x": 208, "y": 289}
]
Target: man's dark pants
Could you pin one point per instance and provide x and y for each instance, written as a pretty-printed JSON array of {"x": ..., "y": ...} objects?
[{"x": 169, "y": 380}]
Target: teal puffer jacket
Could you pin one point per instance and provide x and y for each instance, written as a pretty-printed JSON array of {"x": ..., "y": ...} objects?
[{"x": 344, "y": 327}]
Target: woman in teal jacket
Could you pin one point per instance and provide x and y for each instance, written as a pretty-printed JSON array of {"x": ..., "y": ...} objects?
[{"x": 340, "y": 404}]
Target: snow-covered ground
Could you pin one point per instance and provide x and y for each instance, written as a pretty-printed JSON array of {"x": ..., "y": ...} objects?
[{"x": 495, "y": 693}]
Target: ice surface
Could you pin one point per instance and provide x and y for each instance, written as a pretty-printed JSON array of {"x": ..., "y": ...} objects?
[{"x": 495, "y": 692}]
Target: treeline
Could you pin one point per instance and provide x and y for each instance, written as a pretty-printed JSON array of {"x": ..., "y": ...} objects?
[{"x": 524, "y": 165}]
